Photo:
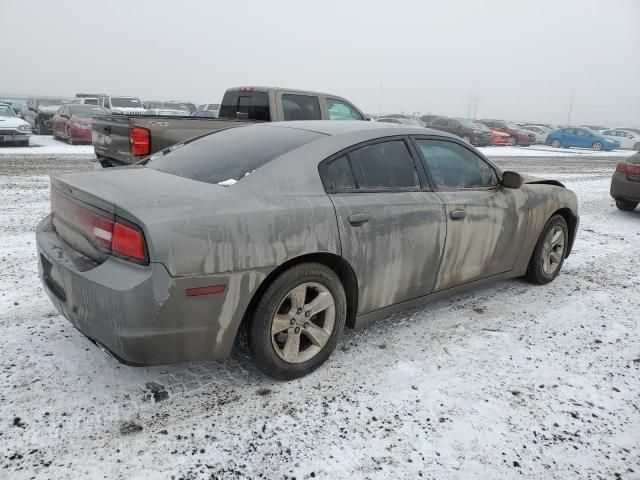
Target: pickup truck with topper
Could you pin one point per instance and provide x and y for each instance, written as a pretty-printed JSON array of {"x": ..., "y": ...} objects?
[{"x": 126, "y": 139}]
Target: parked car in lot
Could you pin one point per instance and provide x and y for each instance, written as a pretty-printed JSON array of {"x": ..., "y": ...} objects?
[
  {"x": 626, "y": 138},
  {"x": 209, "y": 106},
  {"x": 308, "y": 227},
  {"x": 466, "y": 129},
  {"x": 500, "y": 138},
  {"x": 582, "y": 137},
  {"x": 13, "y": 129},
  {"x": 539, "y": 131},
  {"x": 73, "y": 122},
  {"x": 40, "y": 111},
  {"x": 88, "y": 98},
  {"x": 625, "y": 183},
  {"x": 124, "y": 139},
  {"x": 519, "y": 136},
  {"x": 122, "y": 105},
  {"x": 17, "y": 104}
]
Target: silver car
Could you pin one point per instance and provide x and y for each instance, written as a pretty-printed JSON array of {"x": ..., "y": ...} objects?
[{"x": 277, "y": 236}]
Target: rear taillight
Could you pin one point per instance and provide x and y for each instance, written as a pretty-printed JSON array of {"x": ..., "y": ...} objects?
[
  {"x": 112, "y": 235},
  {"x": 631, "y": 169},
  {"x": 139, "y": 141}
]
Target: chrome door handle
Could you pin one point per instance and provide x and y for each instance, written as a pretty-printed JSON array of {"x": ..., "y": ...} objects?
[
  {"x": 457, "y": 214},
  {"x": 359, "y": 218}
]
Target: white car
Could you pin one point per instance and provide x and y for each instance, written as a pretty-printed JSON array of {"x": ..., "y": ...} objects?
[
  {"x": 13, "y": 129},
  {"x": 540, "y": 131},
  {"x": 627, "y": 138}
]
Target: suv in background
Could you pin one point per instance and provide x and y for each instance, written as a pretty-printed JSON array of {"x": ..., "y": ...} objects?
[
  {"x": 518, "y": 134},
  {"x": 466, "y": 129},
  {"x": 123, "y": 105},
  {"x": 40, "y": 111}
]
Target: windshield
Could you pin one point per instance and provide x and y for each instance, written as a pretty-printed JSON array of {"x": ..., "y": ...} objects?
[
  {"x": 125, "y": 102},
  {"x": 228, "y": 155},
  {"x": 411, "y": 121},
  {"x": 86, "y": 111},
  {"x": 52, "y": 101},
  {"x": 480, "y": 126},
  {"x": 6, "y": 111},
  {"x": 512, "y": 126}
]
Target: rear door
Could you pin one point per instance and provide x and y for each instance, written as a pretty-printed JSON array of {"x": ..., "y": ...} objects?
[
  {"x": 392, "y": 228},
  {"x": 484, "y": 229}
]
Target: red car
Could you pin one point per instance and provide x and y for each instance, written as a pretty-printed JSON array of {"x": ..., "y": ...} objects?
[
  {"x": 73, "y": 122},
  {"x": 501, "y": 138},
  {"x": 519, "y": 135}
]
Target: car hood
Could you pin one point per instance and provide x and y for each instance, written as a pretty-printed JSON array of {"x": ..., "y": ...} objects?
[
  {"x": 530, "y": 179},
  {"x": 498, "y": 133},
  {"x": 11, "y": 122}
]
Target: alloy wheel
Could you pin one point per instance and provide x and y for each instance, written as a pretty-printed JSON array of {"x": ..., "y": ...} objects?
[
  {"x": 553, "y": 250},
  {"x": 556, "y": 144},
  {"x": 597, "y": 146},
  {"x": 303, "y": 323}
]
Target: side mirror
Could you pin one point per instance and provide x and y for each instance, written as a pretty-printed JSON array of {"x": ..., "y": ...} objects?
[{"x": 512, "y": 180}]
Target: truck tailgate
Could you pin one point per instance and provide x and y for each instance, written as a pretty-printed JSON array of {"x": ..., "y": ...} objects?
[{"x": 111, "y": 133}]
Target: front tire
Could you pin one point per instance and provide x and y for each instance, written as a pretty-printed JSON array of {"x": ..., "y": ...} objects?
[
  {"x": 556, "y": 143},
  {"x": 550, "y": 251},
  {"x": 636, "y": 147},
  {"x": 597, "y": 146},
  {"x": 512, "y": 141},
  {"x": 626, "y": 205},
  {"x": 467, "y": 139},
  {"x": 298, "y": 321}
]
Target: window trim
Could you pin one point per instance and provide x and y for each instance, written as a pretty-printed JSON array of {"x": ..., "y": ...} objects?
[
  {"x": 424, "y": 184},
  {"x": 434, "y": 186}
]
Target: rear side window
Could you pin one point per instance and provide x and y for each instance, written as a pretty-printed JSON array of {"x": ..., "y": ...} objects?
[
  {"x": 338, "y": 175},
  {"x": 384, "y": 165},
  {"x": 301, "y": 107},
  {"x": 229, "y": 155},
  {"x": 253, "y": 105}
]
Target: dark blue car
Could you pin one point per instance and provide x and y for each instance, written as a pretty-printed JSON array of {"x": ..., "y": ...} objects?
[{"x": 582, "y": 137}]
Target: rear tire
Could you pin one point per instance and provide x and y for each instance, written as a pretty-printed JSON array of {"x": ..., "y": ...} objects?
[
  {"x": 512, "y": 141},
  {"x": 466, "y": 138},
  {"x": 626, "y": 205},
  {"x": 550, "y": 252},
  {"x": 597, "y": 146},
  {"x": 636, "y": 147},
  {"x": 285, "y": 338}
]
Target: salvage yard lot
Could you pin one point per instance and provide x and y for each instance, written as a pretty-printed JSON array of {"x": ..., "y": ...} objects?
[{"x": 510, "y": 380}]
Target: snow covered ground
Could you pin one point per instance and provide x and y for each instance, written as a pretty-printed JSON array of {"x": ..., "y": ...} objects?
[
  {"x": 509, "y": 381},
  {"x": 47, "y": 145}
]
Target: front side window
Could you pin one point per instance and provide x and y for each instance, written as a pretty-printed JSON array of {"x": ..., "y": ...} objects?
[
  {"x": 301, "y": 107},
  {"x": 339, "y": 110},
  {"x": 441, "y": 122},
  {"x": 384, "y": 165},
  {"x": 454, "y": 166}
]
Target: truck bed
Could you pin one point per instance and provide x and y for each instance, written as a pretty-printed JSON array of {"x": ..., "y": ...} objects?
[{"x": 111, "y": 133}]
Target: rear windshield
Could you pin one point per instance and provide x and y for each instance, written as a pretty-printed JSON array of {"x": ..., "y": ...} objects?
[
  {"x": 251, "y": 105},
  {"x": 227, "y": 156}
]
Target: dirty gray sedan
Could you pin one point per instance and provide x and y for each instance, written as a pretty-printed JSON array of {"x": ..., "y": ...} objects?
[{"x": 281, "y": 234}]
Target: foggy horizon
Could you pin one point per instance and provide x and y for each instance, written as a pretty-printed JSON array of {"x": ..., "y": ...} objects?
[{"x": 523, "y": 61}]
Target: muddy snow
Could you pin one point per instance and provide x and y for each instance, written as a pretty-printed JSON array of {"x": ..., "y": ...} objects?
[{"x": 509, "y": 381}]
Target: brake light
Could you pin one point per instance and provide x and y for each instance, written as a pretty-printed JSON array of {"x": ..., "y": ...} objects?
[
  {"x": 139, "y": 141},
  {"x": 111, "y": 235},
  {"x": 127, "y": 242},
  {"x": 628, "y": 168},
  {"x": 246, "y": 89}
]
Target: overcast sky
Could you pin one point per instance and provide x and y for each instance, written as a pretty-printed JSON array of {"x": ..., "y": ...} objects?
[{"x": 523, "y": 58}]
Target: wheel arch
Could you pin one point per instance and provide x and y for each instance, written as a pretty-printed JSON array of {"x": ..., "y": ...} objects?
[
  {"x": 338, "y": 264},
  {"x": 572, "y": 225}
]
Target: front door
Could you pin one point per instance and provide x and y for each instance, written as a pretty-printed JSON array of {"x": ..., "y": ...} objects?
[
  {"x": 484, "y": 227},
  {"x": 392, "y": 231}
]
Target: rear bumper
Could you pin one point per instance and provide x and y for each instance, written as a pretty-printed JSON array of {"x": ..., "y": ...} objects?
[
  {"x": 141, "y": 314},
  {"x": 624, "y": 189}
]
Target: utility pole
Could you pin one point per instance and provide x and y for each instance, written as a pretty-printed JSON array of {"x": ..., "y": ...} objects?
[
  {"x": 380, "y": 105},
  {"x": 573, "y": 91},
  {"x": 475, "y": 107},
  {"x": 473, "y": 98}
]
